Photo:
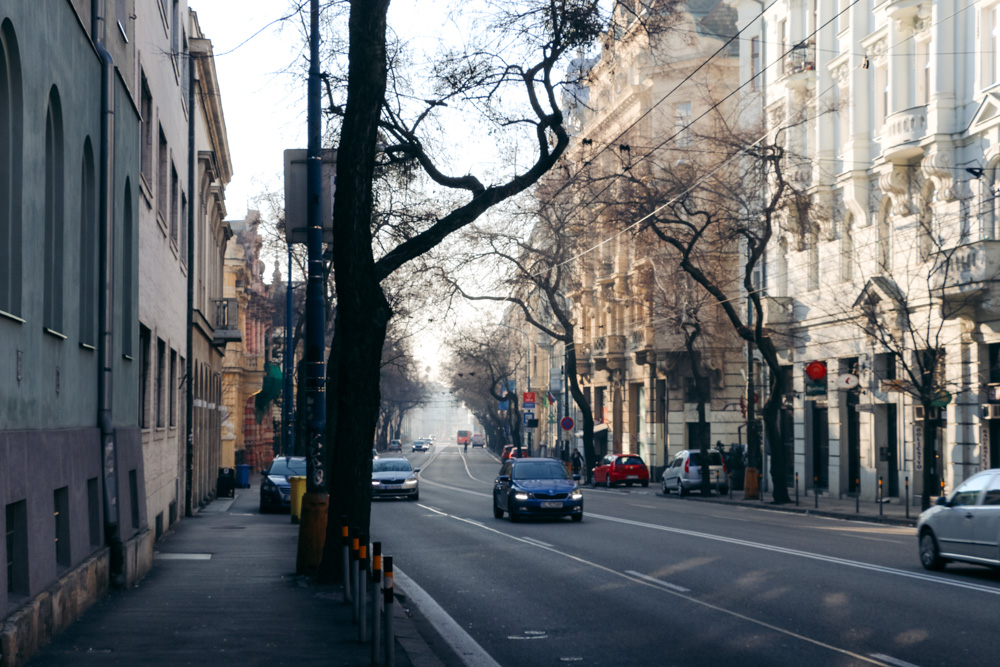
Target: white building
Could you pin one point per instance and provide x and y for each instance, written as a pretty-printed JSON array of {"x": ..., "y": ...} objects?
[{"x": 888, "y": 112}]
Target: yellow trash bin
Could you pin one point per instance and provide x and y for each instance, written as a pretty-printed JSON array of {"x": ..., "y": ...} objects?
[{"x": 298, "y": 490}]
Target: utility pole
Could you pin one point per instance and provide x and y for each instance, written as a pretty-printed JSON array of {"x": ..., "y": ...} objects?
[{"x": 288, "y": 402}]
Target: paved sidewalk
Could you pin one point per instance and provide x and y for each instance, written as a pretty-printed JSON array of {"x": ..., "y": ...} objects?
[
  {"x": 223, "y": 591},
  {"x": 893, "y": 511}
]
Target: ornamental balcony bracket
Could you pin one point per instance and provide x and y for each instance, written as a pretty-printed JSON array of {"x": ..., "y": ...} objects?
[{"x": 966, "y": 271}]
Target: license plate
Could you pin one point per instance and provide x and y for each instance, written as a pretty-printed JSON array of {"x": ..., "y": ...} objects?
[
  {"x": 392, "y": 487},
  {"x": 551, "y": 504},
  {"x": 632, "y": 477}
]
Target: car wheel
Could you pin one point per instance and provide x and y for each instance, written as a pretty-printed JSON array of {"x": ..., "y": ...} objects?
[
  {"x": 681, "y": 491},
  {"x": 645, "y": 484},
  {"x": 607, "y": 481},
  {"x": 664, "y": 487},
  {"x": 593, "y": 481},
  {"x": 930, "y": 556},
  {"x": 497, "y": 512},
  {"x": 577, "y": 518},
  {"x": 263, "y": 508},
  {"x": 513, "y": 516}
]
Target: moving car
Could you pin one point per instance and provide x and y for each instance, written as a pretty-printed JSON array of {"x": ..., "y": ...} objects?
[
  {"x": 965, "y": 526},
  {"x": 394, "y": 477},
  {"x": 536, "y": 487},
  {"x": 395, "y": 446},
  {"x": 419, "y": 446},
  {"x": 625, "y": 469},
  {"x": 275, "y": 489},
  {"x": 684, "y": 472},
  {"x": 478, "y": 440}
]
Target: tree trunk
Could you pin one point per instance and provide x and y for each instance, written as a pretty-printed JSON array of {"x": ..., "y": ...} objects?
[
  {"x": 589, "y": 454},
  {"x": 771, "y": 413},
  {"x": 930, "y": 482},
  {"x": 363, "y": 313}
]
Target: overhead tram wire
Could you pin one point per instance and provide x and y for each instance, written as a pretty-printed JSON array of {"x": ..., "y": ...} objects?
[{"x": 686, "y": 127}]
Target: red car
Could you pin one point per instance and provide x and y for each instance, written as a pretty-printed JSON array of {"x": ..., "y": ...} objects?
[
  {"x": 625, "y": 469},
  {"x": 510, "y": 452}
]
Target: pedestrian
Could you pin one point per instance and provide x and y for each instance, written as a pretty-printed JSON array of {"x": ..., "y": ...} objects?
[{"x": 577, "y": 461}]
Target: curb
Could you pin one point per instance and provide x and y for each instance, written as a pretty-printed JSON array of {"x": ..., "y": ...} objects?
[{"x": 792, "y": 509}]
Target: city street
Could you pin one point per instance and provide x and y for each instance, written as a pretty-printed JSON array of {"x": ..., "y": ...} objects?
[{"x": 649, "y": 579}]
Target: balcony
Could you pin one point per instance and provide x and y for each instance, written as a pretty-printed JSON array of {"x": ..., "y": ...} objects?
[
  {"x": 642, "y": 338},
  {"x": 227, "y": 322},
  {"x": 902, "y": 132},
  {"x": 778, "y": 310},
  {"x": 609, "y": 352},
  {"x": 966, "y": 270},
  {"x": 800, "y": 65}
]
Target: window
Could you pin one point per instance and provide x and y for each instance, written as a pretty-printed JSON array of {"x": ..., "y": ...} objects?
[
  {"x": 161, "y": 383},
  {"x": 172, "y": 389},
  {"x": 754, "y": 63},
  {"x": 682, "y": 118},
  {"x": 16, "y": 551},
  {"x": 60, "y": 513},
  {"x": 162, "y": 176},
  {"x": 54, "y": 209},
  {"x": 184, "y": 228},
  {"x": 990, "y": 39},
  {"x": 174, "y": 208},
  {"x": 923, "y": 73},
  {"x": 145, "y": 340},
  {"x": 783, "y": 41},
  {"x": 146, "y": 147},
  {"x": 968, "y": 491},
  {"x": 128, "y": 271},
  {"x": 11, "y": 132},
  {"x": 88, "y": 248},
  {"x": 881, "y": 93}
]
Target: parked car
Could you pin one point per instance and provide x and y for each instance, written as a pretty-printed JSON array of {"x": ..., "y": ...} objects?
[
  {"x": 965, "y": 526},
  {"x": 275, "y": 489},
  {"x": 510, "y": 452},
  {"x": 684, "y": 472},
  {"x": 395, "y": 446},
  {"x": 625, "y": 469},
  {"x": 536, "y": 487},
  {"x": 478, "y": 440},
  {"x": 419, "y": 446},
  {"x": 395, "y": 477}
]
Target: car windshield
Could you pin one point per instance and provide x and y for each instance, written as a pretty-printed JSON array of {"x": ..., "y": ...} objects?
[
  {"x": 391, "y": 465},
  {"x": 714, "y": 458},
  {"x": 540, "y": 470},
  {"x": 288, "y": 467},
  {"x": 630, "y": 460}
]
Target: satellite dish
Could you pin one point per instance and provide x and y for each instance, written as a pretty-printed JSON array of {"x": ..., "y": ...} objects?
[{"x": 847, "y": 381}]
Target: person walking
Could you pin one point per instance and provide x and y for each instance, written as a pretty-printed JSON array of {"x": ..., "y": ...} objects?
[{"x": 577, "y": 461}]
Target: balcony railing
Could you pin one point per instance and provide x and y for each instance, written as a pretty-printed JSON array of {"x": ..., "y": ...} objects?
[
  {"x": 902, "y": 132},
  {"x": 967, "y": 268},
  {"x": 227, "y": 322}
]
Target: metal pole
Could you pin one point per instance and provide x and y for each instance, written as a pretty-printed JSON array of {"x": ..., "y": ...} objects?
[
  {"x": 880, "y": 495},
  {"x": 390, "y": 640},
  {"x": 288, "y": 400},
  {"x": 315, "y": 288},
  {"x": 857, "y": 496},
  {"x": 376, "y": 602},
  {"x": 345, "y": 542},
  {"x": 907, "y": 496},
  {"x": 816, "y": 491},
  {"x": 796, "y": 488},
  {"x": 362, "y": 591},
  {"x": 355, "y": 585}
]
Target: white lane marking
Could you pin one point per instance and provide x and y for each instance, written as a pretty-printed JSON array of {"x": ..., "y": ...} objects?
[
  {"x": 659, "y": 582},
  {"x": 465, "y": 647},
  {"x": 708, "y": 605},
  {"x": 534, "y": 541},
  {"x": 431, "y": 509},
  {"x": 805, "y": 554},
  {"x": 892, "y": 661}
]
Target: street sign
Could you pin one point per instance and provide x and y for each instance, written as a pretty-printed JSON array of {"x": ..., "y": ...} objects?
[
  {"x": 530, "y": 405},
  {"x": 566, "y": 423},
  {"x": 528, "y": 397},
  {"x": 528, "y": 416},
  {"x": 847, "y": 381}
]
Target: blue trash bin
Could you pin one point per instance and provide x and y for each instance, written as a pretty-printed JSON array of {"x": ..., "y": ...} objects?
[{"x": 243, "y": 476}]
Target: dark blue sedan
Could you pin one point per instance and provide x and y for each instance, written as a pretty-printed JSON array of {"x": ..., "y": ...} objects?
[
  {"x": 275, "y": 489},
  {"x": 536, "y": 487}
]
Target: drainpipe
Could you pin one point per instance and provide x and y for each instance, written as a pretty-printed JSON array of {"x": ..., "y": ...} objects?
[
  {"x": 106, "y": 197},
  {"x": 189, "y": 333}
]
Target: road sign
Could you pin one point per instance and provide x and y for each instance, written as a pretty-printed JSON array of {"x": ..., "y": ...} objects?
[
  {"x": 566, "y": 423},
  {"x": 527, "y": 416},
  {"x": 528, "y": 405},
  {"x": 528, "y": 397}
]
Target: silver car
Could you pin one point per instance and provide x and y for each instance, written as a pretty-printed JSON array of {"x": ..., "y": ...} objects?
[
  {"x": 684, "y": 472},
  {"x": 965, "y": 526},
  {"x": 394, "y": 477}
]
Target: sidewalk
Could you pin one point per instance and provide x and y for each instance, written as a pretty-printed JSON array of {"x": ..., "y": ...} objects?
[
  {"x": 223, "y": 591},
  {"x": 893, "y": 511}
]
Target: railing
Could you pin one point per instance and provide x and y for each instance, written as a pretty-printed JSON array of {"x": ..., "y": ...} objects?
[
  {"x": 967, "y": 266},
  {"x": 902, "y": 130},
  {"x": 227, "y": 321}
]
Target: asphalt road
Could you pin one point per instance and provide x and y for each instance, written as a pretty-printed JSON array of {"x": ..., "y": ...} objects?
[{"x": 652, "y": 580}]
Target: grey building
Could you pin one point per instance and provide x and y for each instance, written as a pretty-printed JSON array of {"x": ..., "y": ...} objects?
[{"x": 71, "y": 465}]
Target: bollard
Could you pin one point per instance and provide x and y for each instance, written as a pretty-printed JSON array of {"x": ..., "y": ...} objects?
[
  {"x": 345, "y": 541},
  {"x": 796, "y": 488},
  {"x": 390, "y": 640},
  {"x": 816, "y": 491},
  {"x": 376, "y": 602},
  {"x": 907, "y": 496},
  {"x": 857, "y": 496},
  {"x": 760, "y": 486},
  {"x": 355, "y": 588},
  {"x": 298, "y": 491},
  {"x": 880, "y": 498},
  {"x": 312, "y": 533},
  {"x": 362, "y": 590}
]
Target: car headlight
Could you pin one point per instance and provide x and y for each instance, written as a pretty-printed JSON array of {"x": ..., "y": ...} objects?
[
  {"x": 576, "y": 495},
  {"x": 375, "y": 482},
  {"x": 412, "y": 481},
  {"x": 521, "y": 495}
]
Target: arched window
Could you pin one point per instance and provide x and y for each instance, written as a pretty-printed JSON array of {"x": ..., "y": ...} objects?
[
  {"x": 128, "y": 271},
  {"x": 54, "y": 209},
  {"x": 88, "y": 247},
  {"x": 11, "y": 133}
]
